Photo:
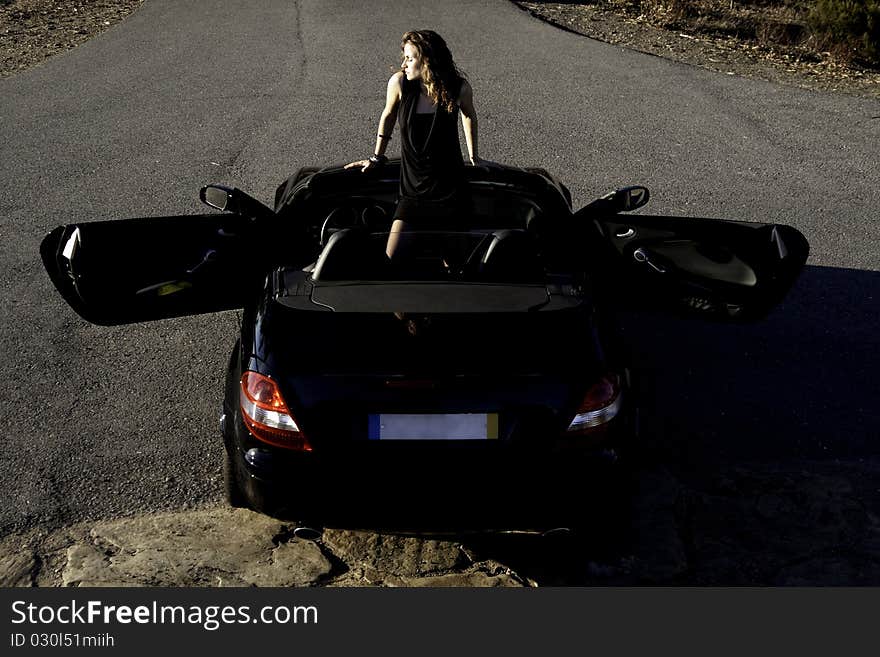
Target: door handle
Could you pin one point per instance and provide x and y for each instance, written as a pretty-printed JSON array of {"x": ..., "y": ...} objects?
[
  {"x": 209, "y": 257},
  {"x": 640, "y": 255}
]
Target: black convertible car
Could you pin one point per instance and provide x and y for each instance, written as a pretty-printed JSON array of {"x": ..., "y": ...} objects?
[{"x": 489, "y": 350}]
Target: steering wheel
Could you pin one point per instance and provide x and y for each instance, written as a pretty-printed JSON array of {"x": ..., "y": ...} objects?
[{"x": 366, "y": 212}]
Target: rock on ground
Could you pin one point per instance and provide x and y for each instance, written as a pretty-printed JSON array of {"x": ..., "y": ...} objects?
[{"x": 219, "y": 547}]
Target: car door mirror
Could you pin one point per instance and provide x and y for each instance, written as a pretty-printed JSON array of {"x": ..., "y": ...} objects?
[
  {"x": 215, "y": 196},
  {"x": 230, "y": 199},
  {"x": 628, "y": 198},
  {"x": 624, "y": 199}
]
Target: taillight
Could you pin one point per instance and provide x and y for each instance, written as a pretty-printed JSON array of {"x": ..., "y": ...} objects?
[
  {"x": 266, "y": 414},
  {"x": 601, "y": 404}
]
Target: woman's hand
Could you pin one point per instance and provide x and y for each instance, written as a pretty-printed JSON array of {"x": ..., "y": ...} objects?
[{"x": 365, "y": 165}]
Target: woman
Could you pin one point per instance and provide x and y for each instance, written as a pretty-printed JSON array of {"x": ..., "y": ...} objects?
[{"x": 426, "y": 96}]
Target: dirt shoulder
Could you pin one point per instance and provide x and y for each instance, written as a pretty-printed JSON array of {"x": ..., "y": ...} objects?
[
  {"x": 31, "y": 31},
  {"x": 771, "y": 60}
]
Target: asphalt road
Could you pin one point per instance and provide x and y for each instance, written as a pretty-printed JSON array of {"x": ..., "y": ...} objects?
[{"x": 100, "y": 422}]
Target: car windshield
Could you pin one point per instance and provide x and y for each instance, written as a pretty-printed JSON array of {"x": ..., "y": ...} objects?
[{"x": 487, "y": 256}]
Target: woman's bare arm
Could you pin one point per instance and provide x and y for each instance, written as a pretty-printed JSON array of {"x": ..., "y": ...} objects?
[
  {"x": 469, "y": 120},
  {"x": 389, "y": 115},
  {"x": 386, "y": 121}
]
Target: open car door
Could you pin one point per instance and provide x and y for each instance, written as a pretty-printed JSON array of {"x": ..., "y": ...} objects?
[
  {"x": 134, "y": 270},
  {"x": 729, "y": 270}
]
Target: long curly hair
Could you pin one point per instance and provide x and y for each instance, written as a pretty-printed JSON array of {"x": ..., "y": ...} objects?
[{"x": 441, "y": 76}]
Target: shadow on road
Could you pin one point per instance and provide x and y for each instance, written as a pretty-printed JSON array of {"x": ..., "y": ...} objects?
[{"x": 801, "y": 384}]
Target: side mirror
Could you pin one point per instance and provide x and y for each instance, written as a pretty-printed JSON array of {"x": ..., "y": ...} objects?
[
  {"x": 628, "y": 198},
  {"x": 620, "y": 200},
  {"x": 230, "y": 199},
  {"x": 215, "y": 196}
]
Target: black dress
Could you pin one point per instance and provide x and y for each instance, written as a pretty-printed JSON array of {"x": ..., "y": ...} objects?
[{"x": 432, "y": 190}]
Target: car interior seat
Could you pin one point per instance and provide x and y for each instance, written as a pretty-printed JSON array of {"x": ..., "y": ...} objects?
[
  {"x": 339, "y": 218},
  {"x": 512, "y": 257},
  {"x": 351, "y": 254},
  {"x": 496, "y": 211},
  {"x": 532, "y": 219}
]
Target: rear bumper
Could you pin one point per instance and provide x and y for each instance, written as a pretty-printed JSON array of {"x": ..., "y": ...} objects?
[{"x": 433, "y": 485}]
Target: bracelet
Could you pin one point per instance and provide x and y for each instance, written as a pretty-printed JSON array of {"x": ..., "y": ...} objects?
[
  {"x": 378, "y": 159},
  {"x": 380, "y": 136}
]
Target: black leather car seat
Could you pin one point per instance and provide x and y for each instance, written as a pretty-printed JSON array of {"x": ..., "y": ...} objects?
[
  {"x": 352, "y": 254},
  {"x": 512, "y": 257}
]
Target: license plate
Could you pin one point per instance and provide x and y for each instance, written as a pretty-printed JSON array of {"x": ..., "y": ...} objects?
[{"x": 434, "y": 426}]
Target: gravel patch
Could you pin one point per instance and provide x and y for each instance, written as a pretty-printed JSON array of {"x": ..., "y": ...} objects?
[{"x": 31, "y": 31}]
